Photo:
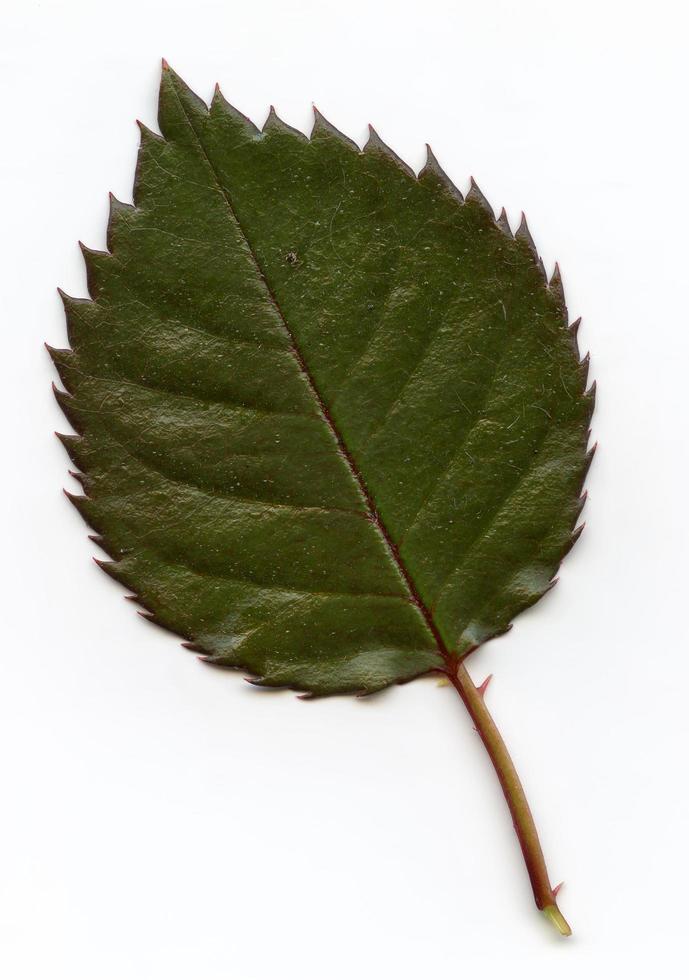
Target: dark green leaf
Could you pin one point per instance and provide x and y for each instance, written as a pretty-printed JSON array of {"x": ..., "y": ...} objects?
[{"x": 331, "y": 423}]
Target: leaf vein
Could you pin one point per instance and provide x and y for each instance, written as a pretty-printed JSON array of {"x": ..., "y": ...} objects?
[{"x": 390, "y": 545}]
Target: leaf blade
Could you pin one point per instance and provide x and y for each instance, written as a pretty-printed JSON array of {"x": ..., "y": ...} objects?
[{"x": 388, "y": 331}]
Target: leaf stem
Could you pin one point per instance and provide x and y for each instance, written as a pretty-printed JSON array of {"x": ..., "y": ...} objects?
[{"x": 514, "y": 794}]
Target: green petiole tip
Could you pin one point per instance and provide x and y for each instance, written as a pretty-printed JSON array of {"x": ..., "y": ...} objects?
[{"x": 554, "y": 915}]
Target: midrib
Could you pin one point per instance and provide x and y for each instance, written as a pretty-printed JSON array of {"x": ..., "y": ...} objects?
[{"x": 390, "y": 545}]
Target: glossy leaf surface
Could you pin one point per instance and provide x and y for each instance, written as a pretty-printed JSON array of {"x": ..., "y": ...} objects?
[{"x": 331, "y": 423}]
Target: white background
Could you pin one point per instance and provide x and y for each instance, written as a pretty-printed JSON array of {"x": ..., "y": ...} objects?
[{"x": 161, "y": 820}]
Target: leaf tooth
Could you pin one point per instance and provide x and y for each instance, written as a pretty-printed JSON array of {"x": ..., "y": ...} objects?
[
  {"x": 557, "y": 289},
  {"x": 66, "y": 403},
  {"x": 574, "y": 536},
  {"x": 322, "y": 127},
  {"x": 79, "y": 314},
  {"x": 195, "y": 648},
  {"x": 108, "y": 546},
  {"x": 53, "y": 351},
  {"x": 573, "y": 330},
  {"x": 71, "y": 443},
  {"x": 121, "y": 577},
  {"x": 81, "y": 503},
  {"x": 118, "y": 214},
  {"x": 374, "y": 144},
  {"x": 503, "y": 224},
  {"x": 87, "y": 484},
  {"x": 213, "y": 659},
  {"x": 571, "y": 539},
  {"x": 96, "y": 262},
  {"x": 74, "y": 498},
  {"x": 577, "y": 532},
  {"x": 151, "y": 148},
  {"x": 370, "y": 693},
  {"x": 588, "y": 396},
  {"x": 62, "y": 358},
  {"x": 147, "y": 135},
  {"x": 584, "y": 365},
  {"x": 220, "y": 105},
  {"x": 89, "y": 253},
  {"x": 478, "y": 197},
  {"x": 117, "y": 205},
  {"x": 73, "y": 307},
  {"x": 112, "y": 568},
  {"x": 254, "y": 681},
  {"x": 522, "y": 234},
  {"x": 432, "y": 168},
  {"x": 274, "y": 124}
]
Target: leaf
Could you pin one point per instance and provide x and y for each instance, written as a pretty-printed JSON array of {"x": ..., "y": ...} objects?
[{"x": 331, "y": 425}]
